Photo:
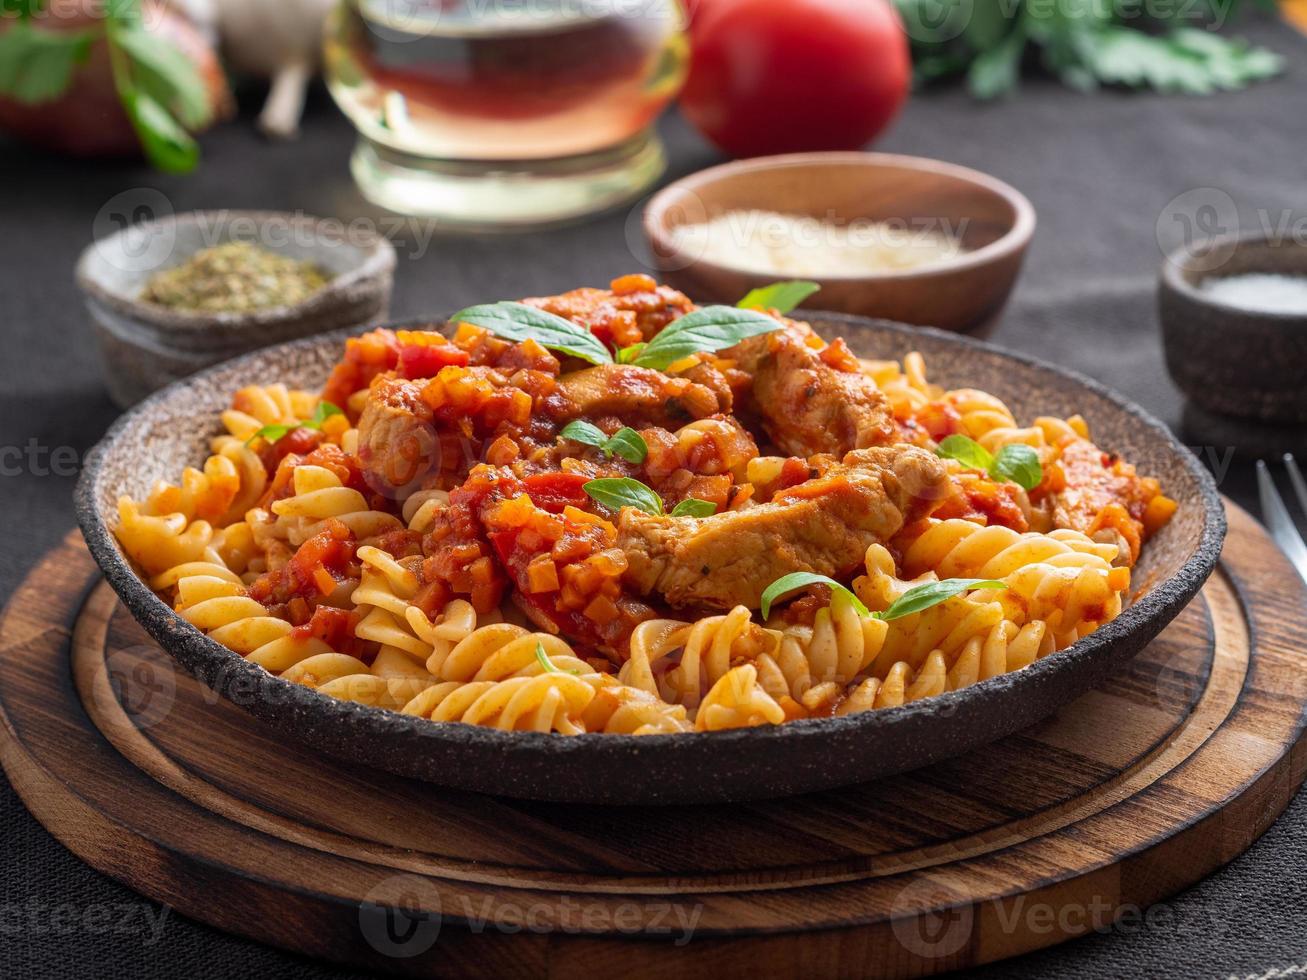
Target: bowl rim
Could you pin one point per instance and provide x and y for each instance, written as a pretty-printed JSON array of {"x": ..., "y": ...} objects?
[
  {"x": 1011, "y": 242},
  {"x": 378, "y": 259},
  {"x": 1164, "y": 598},
  {"x": 1175, "y": 266}
]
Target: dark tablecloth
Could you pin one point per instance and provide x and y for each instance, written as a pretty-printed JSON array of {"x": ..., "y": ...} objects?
[{"x": 1102, "y": 171}]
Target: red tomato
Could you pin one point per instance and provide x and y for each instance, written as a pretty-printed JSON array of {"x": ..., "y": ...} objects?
[{"x": 788, "y": 76}]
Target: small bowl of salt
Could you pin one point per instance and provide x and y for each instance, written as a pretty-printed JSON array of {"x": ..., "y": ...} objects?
[{"x": 1234, "y": 326}]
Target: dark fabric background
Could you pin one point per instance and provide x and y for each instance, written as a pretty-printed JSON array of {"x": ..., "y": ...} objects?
[{"x": 1101, "y": 171}]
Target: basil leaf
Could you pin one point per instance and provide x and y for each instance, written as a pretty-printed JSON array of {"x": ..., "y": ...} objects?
[
  {"x": 712, "y": 328},
  {"x": 168, "y": 146},
  {"x": 161, "y": 70},
  {"x": 627, "y": 355},
  {"x": 1020, "y": 464},
  {"x": 968, "y": 452},
  {"x": 929, "y": 594},
  {"x": 780, "y": 296},
  {"x": 321, "y": 413},
  {"x": 37, "y": 65},
  {"x": 691, "y": 507},
  {"x": 628, "y": 444},
  {"x": 799, "y": 580},
  {"x": 624, "y": 492},
  {"x": 545, "y": 662},
  {"x": 584, "y": 432},
  {"x": 518, "y": 322},
  {"x": 271, "y": 433}
]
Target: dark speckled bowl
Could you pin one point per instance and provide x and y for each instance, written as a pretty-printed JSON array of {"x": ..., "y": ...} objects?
[{"x": 171, "y": 429}]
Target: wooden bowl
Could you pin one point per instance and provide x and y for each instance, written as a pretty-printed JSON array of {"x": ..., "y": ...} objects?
[
  {"x": 172, "y": 428},
  {"x": 962, "y": 293}
]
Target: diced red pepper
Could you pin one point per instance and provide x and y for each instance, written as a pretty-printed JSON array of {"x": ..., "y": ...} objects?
[{"x": 426, "y": 361}]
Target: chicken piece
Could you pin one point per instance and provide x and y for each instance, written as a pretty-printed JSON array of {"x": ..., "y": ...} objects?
[
  {"x": 823, "y": 526},
  {"x": 632, "y": 310},
  {"x": 397, "y": 445},
  {"x": 637, "y": 395},
  {"x": 809, "y": 406}
]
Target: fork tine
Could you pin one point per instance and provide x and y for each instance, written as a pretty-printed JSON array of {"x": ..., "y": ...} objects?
[
  {"x": 1278, "y": 520},
  {"x": 1295, "y": 477}
]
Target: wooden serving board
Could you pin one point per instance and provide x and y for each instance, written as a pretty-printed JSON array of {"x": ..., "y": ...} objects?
[{"x": 1131, "y": 793}]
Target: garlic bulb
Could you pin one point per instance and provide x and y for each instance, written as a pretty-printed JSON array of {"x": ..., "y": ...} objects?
[{"x": 277, "y": 39}]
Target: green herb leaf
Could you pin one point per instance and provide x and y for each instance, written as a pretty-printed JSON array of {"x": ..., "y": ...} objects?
[
  {"x": 162, "y": 71},
  {"x": 996, "y": 72},
  {"x": 624, "y": 492},
  {"x": 271, "y": 433},
  {"x": 692, "y": 507},
  {"x": 923, "y": 597},
  {"x": 584, "y": 432},
  {"x": 628, "y": 444},
  {"x": 37, "y": 65},
  {"x": 1020, "y": 464},
  {"x": 518, "y": 322},
  {"x": 544, "y": 660},
  {"x": 627, "y": 355},
  {"x": 966, "y": 451},
  {"x": 712, "y": 328},
  {"x": 780, "y": 296},
  {"x": 786, "y": 584},
  {"x": 167, "y": 145},
  {"x": 321, "y": 413}
]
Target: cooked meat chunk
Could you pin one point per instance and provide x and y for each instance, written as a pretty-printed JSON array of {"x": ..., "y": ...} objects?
[
  {"x": 397, "y": 444},
  {"x": 823, "y": 526},
  {"x": 633, "y": 309},
  {"x": 637, "y": 395},
  {"x": 809, "y": 406}
]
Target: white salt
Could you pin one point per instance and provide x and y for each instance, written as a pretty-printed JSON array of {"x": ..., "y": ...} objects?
[{"x": 1260, "y": 292}]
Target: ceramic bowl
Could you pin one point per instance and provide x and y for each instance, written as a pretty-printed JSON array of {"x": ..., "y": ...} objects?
[
  {"x": 965, "y": 292},
  {"x": 144, "y": 346},
  {"x": 1230, "y": 361},
  {"x": 735, "y": 765}
]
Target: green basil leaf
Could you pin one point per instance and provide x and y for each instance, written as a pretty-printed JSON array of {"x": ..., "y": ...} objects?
[
  {"x": 37, "y": 65},
  {"x": 628, "y": 444},
  {"x": 324, "y": 411},
  {"x": 922, "y": 597},
  {"x": 627, "y": 355},
  {"x": 518, "y": 322},
  {"x": 780, "y": 296},
  {"x": 786, "y": 584},
  {"x": 712, "y": 328},
  {"x": 584, "y": 432},
  {"x": 624, "y": 492},
  {"x": 544, "y": 660},
  {"x": 968, "y": 452},
  {"x": 169, "y": 147},
  {"x": 1020, "y": 464},
  {"x": 271, "y": 433},
  {"x": 160, "y": 70},
  {"x": 692, "y": 507}
]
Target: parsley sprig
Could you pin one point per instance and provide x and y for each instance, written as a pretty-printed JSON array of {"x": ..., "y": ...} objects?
[{"x": 159, "y": 87}]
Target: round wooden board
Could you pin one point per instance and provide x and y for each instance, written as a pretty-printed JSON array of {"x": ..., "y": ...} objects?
[{"x": 1133, "y": 792}]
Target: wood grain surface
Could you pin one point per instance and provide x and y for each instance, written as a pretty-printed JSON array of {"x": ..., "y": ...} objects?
[{"x": 1131, "y": 793}]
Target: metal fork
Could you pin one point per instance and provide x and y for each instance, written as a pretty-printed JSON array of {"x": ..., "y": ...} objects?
[{"x": 1276, "y": 515}]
